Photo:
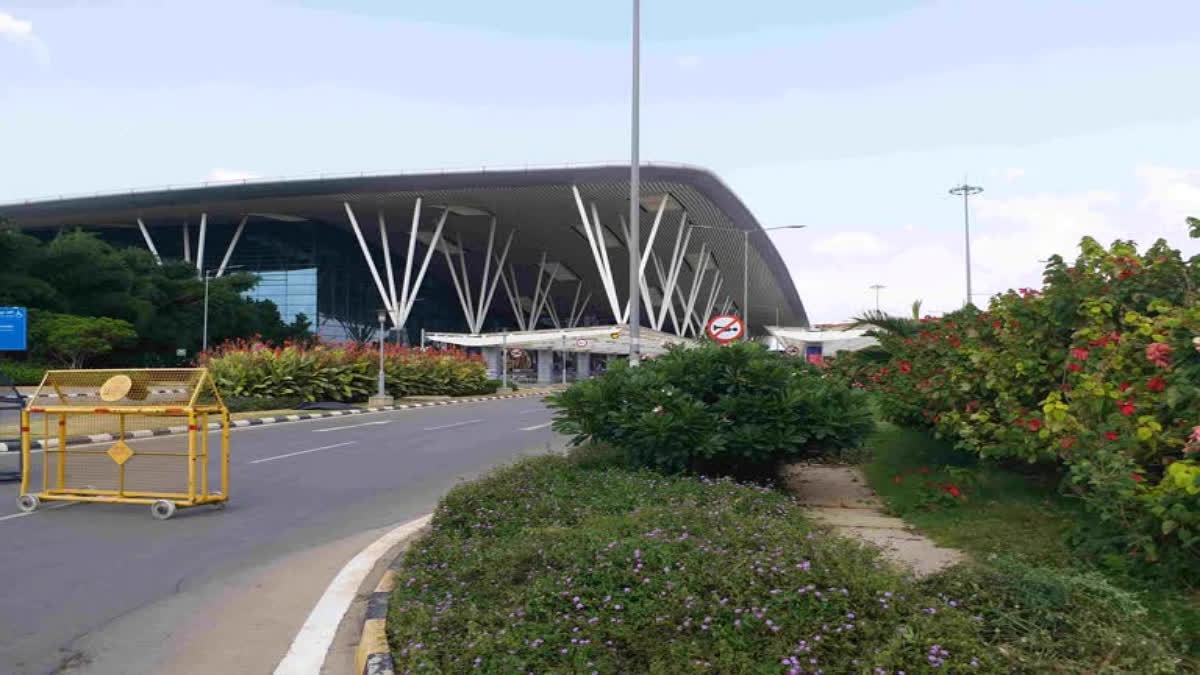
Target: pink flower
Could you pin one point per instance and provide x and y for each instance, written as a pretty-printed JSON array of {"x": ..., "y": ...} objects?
[
  {"x": 1080, "y": 354},
  {"x": 1159, "y": 354},
  {"x": 1156, "y": 384},
  {"x": 1112, "y": 435}
]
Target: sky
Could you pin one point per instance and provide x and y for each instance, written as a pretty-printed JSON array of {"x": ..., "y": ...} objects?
[{"x": 854, "y": 118}]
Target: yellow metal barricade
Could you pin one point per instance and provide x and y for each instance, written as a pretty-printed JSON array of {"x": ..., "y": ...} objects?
[{"x": 84, "y": 422}]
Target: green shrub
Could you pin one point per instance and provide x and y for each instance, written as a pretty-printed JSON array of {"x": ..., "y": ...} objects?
[
  {"x": 550, "y": 566},
  {"x": 1098, "y": 371},
  {"x": 737, "y": 409},
  {"x": 490, "y": 386},
  {"x": 24, "y": 373}
]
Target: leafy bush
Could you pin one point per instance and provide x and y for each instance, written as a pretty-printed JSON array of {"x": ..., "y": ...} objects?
[
  {"x": 554, "y": 565},
  {"x": 24, "y": 373},
  {"x": 1099, "y": 371},
  {"x": 738, "y": 409},
  {"x": 73, "y": 340},
  {"x": 347, "y": 373}
]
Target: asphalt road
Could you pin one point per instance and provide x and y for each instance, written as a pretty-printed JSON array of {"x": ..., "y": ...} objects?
[{"x": 68, "y": 572}]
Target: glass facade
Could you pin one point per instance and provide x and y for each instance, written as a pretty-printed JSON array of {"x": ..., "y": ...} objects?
[{"x": 294, "y": 292}]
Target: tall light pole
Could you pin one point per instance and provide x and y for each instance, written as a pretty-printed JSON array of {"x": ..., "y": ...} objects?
[
  {"x": 877, "y": 288},
  {"x": 208, "y": 275},
  {"x": 966, "y": 191},
  {"x": 746, "y": 266},
  {"x": 381, "y": 398},
  {"x": 635, "y": 235}
]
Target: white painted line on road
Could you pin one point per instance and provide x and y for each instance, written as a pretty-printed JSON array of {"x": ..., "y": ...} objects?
[
  {"x": 539, "y": 426},
  {"x": 312, "y": 642},
  {"x": 48, "y": 508},
  {"x": 451, "y": 426},
  {"x": 351, "y": 426},
  {"x": 303, "y": 452}
]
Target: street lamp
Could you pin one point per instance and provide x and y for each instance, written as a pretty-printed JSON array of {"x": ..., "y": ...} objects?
[
  {"x": 966, "y": 191},
  {"x": 208, "y": 275},
  {"x": 877, "y": 288},
  {"x": 746, "y": 266},
  {"x": 381, "y": 397},
  {"x": 635, "y": 237}
]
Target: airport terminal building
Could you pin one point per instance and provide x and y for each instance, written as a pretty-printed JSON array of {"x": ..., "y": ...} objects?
[{"x": 463, "y": 253}]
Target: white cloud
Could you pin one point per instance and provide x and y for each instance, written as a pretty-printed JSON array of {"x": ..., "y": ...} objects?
[
  {"x": 846, "y": 244},
  {"x": 1010, "y": 239},
  {"x": 20, "y": 32},
  {"x": 230, "y": 175}
]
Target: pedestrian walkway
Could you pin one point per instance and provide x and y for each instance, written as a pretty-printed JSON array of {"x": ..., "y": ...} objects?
[{"x": 838, "y": 496}]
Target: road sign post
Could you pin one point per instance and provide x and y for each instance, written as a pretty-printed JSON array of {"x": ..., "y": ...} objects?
[
  {"x": 725, "y": 328},
  {"x": 14, "y": 329}
]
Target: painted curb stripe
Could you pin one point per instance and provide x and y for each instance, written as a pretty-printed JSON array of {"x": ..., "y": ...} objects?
[
  {"x": 14, "y": 444},
  {"x": 373, "y": 657}
]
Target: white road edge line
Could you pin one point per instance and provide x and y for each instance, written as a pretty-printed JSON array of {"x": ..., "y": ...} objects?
[
  {"x": 451, "y": 426},
  {"x": 536, "y": 426},
  {"x": 48, "y": 508},
  {"x": 312, "y": 642},
  {"x": 303, "y": 452},
  {"x": 352, "y": 426}
]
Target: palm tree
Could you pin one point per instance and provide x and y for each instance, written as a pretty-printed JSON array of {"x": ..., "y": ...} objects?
[{"x": 882, "y": 323}]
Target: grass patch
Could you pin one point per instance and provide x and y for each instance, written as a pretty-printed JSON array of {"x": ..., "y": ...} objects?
[
  {"x": 575, "y": 565},
  {"x": 1014, "y": 519}
]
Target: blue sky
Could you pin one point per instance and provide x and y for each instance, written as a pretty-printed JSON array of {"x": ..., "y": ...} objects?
[{"x": 852, "y": 118}]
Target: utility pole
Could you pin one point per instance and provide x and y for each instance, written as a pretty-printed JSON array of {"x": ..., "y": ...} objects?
[
  {"x": 966, "y": 191},
  {"x": 635, "y": 205},
  {"x": 877, "y": 288}
]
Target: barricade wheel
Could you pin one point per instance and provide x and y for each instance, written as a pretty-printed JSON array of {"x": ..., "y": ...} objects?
[
  {"x": 28, "y": 503},
  {"x": 162, "y": 509}
]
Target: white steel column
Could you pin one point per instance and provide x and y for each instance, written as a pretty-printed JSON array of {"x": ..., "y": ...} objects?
[
  {"x": 187, "y": 242},
  {"x": 476, "y": 314},
  {"x": 599, "y": 253},
  {"x": 362, "y": 243},
  {"x": 412, "y": 250},
  {"x": 645, "y": 255},
  {"x": 411, "y": 292},
  {"x": 513, "y": 292},
  {"x": 237, "y": 234},
  {"x": 696, "y": 281},
  {"x": 387, "y": 257},
  {"x": 200, "y": 243},
  {"x": 676, "y": 266},
  {"x": 149, "y": 241}
]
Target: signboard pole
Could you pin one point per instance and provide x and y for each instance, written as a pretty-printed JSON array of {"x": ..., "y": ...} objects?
[
  {"x": 564, "y": 350},
  {"x": 504, "y": 361}
]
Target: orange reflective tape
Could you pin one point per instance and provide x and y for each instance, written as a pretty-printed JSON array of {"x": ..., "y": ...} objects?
[
  {"x": 37, "y": 410},
  {"x": 176, "y": 411},
  {"x": 101, "y": 410},
  {"x": 191, "y": 427},
  {"x": 24, "y": 430}
]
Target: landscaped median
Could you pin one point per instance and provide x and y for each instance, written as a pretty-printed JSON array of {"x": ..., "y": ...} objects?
[{"x": 576, "y": 564}]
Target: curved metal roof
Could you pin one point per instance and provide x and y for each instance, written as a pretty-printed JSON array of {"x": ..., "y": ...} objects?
[{"x": 539, "y": 203}]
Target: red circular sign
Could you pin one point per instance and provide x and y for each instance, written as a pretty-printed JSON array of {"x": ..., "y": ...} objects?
[{"x": 725, "y": 328}]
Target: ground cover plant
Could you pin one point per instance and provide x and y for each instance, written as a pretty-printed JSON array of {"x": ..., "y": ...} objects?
[
  {"x": 737, "y": 410},
  {"x": 1014, "y": 521},
  {"x": 565, "y": 565},
  {"x": 347, "y": 373}
]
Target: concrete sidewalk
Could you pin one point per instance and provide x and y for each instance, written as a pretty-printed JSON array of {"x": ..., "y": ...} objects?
[{"x": 838, "y": 496}]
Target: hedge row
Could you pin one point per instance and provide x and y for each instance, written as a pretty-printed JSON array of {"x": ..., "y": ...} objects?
[{"x": 318, "y": 372}]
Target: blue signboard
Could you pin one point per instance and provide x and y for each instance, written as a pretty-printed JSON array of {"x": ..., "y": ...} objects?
[{"x": 13, "y": 325}]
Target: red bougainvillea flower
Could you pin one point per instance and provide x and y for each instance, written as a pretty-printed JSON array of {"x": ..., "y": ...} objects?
[
  {"x": 1126, "y": 407},
  {"x": 896, "y": 479},
  {"x": 954, "y": 491},
  {"x": 1074, "y": 367},
  {"x": 1034, "y": 424},
  {"x": 1137, "y": 477},
  {"x": 905, "y": 367},
  {"x": 924, "y": 470},
  {"x": 1124, "y": 386},
  {"x": 1067, "y": 442},
  {"x": 1080, "y": 354},
  {"x": 1195, "y": 438},
  {"x": 1112, "y": 435},
  {"x": 1156, "y": 384},
  {"x": 1159, "y": 354}
]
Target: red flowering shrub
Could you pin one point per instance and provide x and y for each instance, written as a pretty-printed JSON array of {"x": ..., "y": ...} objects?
[
  {"x": 319, "y": 372},
  {"x": 1099, "y": 370}
]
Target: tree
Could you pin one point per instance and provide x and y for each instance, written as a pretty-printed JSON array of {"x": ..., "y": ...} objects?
[{"x": 75, "y": 339}]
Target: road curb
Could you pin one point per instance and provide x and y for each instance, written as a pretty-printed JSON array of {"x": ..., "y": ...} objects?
[
  {"x": 373, "y": 657},
  {"x": 14, "y": 444}
]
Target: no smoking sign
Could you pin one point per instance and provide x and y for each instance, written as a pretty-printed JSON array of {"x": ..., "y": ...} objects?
[{"x": 725, "y": 328}]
